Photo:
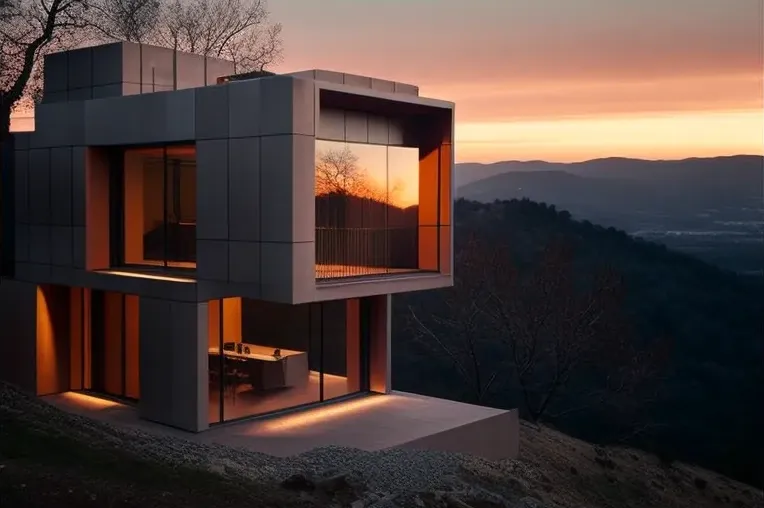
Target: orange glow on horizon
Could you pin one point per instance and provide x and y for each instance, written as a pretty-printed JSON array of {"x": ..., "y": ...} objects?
[{"x": 646, "y": 136}]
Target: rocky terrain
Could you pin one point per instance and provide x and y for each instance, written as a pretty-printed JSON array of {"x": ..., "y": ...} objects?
[{"x": 51, "y": 458}]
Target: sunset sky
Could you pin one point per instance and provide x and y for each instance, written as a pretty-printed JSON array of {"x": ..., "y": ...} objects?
[{"x": 560, "y": 80}]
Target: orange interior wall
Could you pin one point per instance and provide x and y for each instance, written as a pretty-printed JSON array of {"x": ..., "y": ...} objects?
[
  {"x": 96, "y": 209},
  {"x": 113, "y": 343},
  {"x": 132, "y": 344},
  {"x": 52, "y": 340},
  {"x": 232, "y": 320},
  {"x": 428, "y": 210},
  {"x": 133, "y": 208}
]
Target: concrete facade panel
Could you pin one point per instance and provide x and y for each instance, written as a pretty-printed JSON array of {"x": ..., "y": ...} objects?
[
  {"x": 21, "y": 246},
  {"x": 396, "y": 132},
  {"x": 357, "y": 81},
  {"x": 18, "y": 343},
  {"x": 244, "y": 262},
  {"x": 108, "y": 64},
  {"x": 303, "y": 107},
  {"x": 217, "y": 68},
  {"x": 59, "y": 124},
  {"x": 112, "y": 90},
  {"x": 21, "y": 185},
  {"x": 78, "y": 247},
  {"x": 61, "y": 186},
  {"x": 56, "y": 72},
  {"x": 277, "y": 105},
  {"x": 212, "y": 112},
  {"x": 61, "y": 245},
  {"x": 383, "y": 85},
  {"x": 39, "y": 244},
  {"x": 331, "y": 124},
  {"x": 212, "y": 260},
  {"x": 356, "y": 127},
  {"x": 189, "y": 71},
  {"x": 244, "y": 112},
  {"x": 244, "y": 189},
  {"x": 157, "y": 66},
  {"x": 80, "y": 68},
  {"x": 212, "y": 189},
  {"x": 39, "y": 186},
  {"x": 379, "y": 130},
  {"x": 276, "y": 274},
  {"x": 276, "y": 181},
  {"x": 155, "y": 360},
  {"x": 179, "y": 116},
  {"x": 80, "y": 94},
  {"x": 78, "y": 185},
  {"x": 303, "y": 189},
  {"x": 189, "y": 409},
  {"x": 329, "y": 76}
]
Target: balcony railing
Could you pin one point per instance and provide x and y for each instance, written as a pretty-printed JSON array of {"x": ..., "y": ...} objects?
[{"x": 359, "y": 252}]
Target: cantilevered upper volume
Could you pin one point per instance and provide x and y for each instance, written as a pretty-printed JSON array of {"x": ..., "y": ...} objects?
[{"x": 212, "y": 245}]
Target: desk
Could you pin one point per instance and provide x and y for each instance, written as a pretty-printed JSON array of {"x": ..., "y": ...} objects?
[{"x": 267, "y": 372}]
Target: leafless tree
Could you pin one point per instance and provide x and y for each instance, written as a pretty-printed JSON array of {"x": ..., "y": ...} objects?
[
  {"x": 28, "y": 29},
  {"x": 128, "y": 20},
  {"x": 339, "y": 172},
  {"x": 563, "y": 332},
  {"x": 460, "y": 331},
  {"x": 236, "y": 30}
]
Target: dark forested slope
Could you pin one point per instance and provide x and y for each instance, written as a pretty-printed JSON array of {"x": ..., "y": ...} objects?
[{"x": 702, "y": 404}]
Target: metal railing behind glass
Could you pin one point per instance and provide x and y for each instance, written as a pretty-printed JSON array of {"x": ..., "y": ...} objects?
[{"x": 357, "y": 252}]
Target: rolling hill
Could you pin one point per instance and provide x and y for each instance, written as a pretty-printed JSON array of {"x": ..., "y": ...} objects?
[{"x": 710, "y": 207}]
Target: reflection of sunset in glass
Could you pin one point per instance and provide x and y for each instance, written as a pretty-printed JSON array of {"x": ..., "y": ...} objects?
[{"x": 380, "y": 173}]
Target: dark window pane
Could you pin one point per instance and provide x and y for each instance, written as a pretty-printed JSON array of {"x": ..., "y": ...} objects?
[{"x": 160, "y": 207}]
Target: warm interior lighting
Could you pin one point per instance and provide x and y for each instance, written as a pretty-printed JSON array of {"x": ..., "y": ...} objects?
[
  {"x": 148, "y": 276},
  {"x": 84, "y": 401},
  {"x": 319, "y": 415}
]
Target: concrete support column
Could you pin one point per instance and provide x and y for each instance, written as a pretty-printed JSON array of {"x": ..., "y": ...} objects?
[
  {"x": 173, "y": 363},
  {"x": 379, "y": 343},
  {"x": 18, "y": 340}
]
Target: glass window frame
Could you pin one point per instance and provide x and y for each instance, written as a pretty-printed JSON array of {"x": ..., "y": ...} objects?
[
  {"x": 315, "y": 322},
  {"x": 117, "y": 240},
  {"x": 442, "y": 226}
]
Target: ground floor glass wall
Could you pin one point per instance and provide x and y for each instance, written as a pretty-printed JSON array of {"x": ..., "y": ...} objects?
[
  {"x": 277, "y": 356},
  {"x": 104, "y": 343}
]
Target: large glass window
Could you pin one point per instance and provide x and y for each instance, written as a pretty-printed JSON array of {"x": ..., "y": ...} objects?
[
  {"x": 266, "y": 357},
  {"x": 104, "y": 342},
  {"x": 159, "y": 217},
  {"x": 378, "y": 209}
]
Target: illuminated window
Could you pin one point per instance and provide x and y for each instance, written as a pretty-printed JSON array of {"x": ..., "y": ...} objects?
[{"x": 159, "y": 207}]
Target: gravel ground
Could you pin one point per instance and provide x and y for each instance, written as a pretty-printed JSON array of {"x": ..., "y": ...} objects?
[{"x": 384, "y": 475}]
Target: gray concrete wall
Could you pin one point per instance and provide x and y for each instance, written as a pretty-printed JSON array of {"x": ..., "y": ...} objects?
[
  {"x": 18, "y": 340},
  {"x": 173, "y": 363},
  {"x": 124, "y": 68},
  {"x": 358, "y": 81}
]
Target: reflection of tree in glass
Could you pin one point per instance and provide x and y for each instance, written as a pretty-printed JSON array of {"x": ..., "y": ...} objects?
[{"x": 338, "y": 172}]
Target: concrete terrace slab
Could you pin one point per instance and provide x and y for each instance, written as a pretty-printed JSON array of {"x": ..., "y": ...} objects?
[{"x": 374, "y": 422}]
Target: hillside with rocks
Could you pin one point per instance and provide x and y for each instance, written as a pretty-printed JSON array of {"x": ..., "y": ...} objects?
[{"x": 51, "y": 458}]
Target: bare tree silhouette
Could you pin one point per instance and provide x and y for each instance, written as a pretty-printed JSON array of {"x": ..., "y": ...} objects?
[
  {"x": 236, "y": 30},
  {"x": 554, "y": 328},
  {"x": 338, "y": 172}
]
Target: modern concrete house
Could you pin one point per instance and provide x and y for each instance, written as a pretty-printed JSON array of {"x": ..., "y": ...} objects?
[{"x": 207, "y": 247}]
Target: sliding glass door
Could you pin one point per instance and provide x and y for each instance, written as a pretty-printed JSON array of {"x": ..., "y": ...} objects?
[
  {"x": 114, "y": 344},
  {"x": 266, "y": 357}
]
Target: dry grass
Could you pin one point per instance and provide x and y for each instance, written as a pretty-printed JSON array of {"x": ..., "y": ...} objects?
[{"x": 563, "y": 471}]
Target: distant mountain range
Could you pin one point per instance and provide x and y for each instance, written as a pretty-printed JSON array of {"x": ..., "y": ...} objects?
[{"x": 697, "y": 205}]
